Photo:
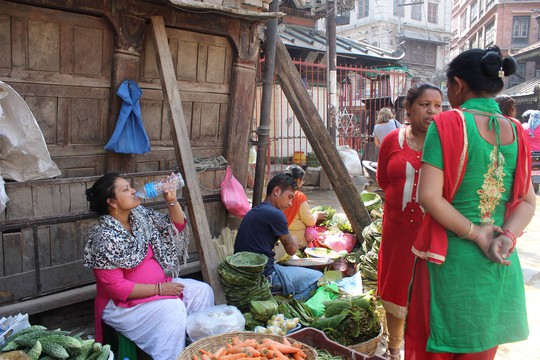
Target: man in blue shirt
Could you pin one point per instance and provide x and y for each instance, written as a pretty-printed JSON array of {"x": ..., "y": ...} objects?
[{"x": 263, "y": 226}]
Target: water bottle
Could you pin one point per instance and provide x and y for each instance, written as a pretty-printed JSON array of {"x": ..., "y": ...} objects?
[{"x": 156, "y": 188}]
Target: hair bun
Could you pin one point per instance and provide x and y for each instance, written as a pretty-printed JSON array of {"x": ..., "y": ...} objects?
[
  {"x": 509, "y": 66},
  {"x": 491, "y": 62},
  {"x": 89, "y": 195}
]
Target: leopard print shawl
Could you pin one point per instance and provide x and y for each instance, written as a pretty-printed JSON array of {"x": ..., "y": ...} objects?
[{"x": 110, "y": 246}]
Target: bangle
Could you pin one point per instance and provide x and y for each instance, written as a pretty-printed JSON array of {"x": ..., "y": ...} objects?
[
  {"x": 155, "y": 289},
  {"x": 471, "y": 226},
  {"x": 160, "y": 290},
  {"x": 173, "y": 203},
  {"x": 509, "y": 234}
]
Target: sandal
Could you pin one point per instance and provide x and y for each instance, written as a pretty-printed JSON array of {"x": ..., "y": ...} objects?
[{"x": 393, "y": 356}]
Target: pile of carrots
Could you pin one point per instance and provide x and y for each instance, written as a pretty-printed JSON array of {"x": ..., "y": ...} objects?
[{"x": 251, "y": 349}]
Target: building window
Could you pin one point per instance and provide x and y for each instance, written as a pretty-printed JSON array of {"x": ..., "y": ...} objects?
[
  {"x": 398, "y": 10},
  {"x": 474, "y": 12},
  {"x": 520, "y": 30},
  {"x": 433, "y": 10},
  {"x": 421, "y": 53},
  {"x": 363, "y": 9},
  {"x": 463, "y": 22},
  {"x": 481, "y": 8},
  {"x": 489, "y": 37},
  {"x": 518, "y": 77},
  {"x": 416, "y": 12}
]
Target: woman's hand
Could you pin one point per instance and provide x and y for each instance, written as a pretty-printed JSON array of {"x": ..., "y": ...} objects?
[
  {"x": 500, "y": 249},
  {"x": 172, "y": 288},
  {"x": 169, "y": 195},
  {"x": 321, "y": 216},
  {"x": 496, "y": 248}
]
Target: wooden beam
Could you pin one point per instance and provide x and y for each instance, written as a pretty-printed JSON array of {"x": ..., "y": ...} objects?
[
  {"x": 320, "y": 140},
  {"x": 182, "y": 147}
]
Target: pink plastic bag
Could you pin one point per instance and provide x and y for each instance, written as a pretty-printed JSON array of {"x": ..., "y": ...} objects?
[{"x": 233, "y": 195}]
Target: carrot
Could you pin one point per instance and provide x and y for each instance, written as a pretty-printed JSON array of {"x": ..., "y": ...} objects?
[
  {"x": 207, "y": 353},
  {"x": 296, "y": 344},
  {"x": 285, "y": 349},
  {"x": 195, "y": 357},
  {"x": 250, "y": 342},
  {"x": 206, "y": 357},
  {"x": 233, "y": 356},
  {"x": 298, "y": 356},
  {"x": 266, "y": 352},
  {"x": 220, "y": 351},
  {"x": 249, "y": 350},
  {"x": 235, "y": 340},
  {"x": 278, "y": 354},
  {"x": 286, "y": 341}
]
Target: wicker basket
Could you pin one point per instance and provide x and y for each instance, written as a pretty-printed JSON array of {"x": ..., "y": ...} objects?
[
  {"x": 368, "y": 347},
  {"x": 215, "y": 342}
]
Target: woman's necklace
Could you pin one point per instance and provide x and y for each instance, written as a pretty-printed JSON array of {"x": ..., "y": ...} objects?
[{"x": 412, "y": 143}]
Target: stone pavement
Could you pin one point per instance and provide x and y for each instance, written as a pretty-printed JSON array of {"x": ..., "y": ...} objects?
[{"x": 529, "y": 251}]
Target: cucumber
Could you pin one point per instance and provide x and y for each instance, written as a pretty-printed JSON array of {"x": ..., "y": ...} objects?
[
  {"x": 11, "y": 345},
  {"x": 62, "y": 340},
  {"x": 86, "y": 349}
]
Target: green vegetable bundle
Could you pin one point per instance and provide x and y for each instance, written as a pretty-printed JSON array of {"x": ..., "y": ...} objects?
[
  {"x": 341, "y": 222},
  {"x": 263, "y": 310},
  {"x": 293, "y": 308},
  {"x": 242, "y": 278}
]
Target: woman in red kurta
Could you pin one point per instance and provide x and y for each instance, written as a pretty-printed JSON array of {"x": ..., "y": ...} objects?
[{"x": 397, "y": 174}]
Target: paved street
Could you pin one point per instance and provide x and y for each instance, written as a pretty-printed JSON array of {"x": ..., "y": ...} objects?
[{"x": 529, "y": 251}]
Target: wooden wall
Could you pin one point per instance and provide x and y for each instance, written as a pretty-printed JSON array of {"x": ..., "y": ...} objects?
[{"x": 67, "y": 61}]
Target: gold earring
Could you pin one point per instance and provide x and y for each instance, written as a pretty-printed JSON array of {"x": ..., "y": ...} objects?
[{"x": 116, "y": 210}]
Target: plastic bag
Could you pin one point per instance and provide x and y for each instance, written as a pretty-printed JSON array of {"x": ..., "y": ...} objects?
[
  {"x": 3, "y": 196},
  {"x": 351, "y": 160},
  {"x": 323, "y": 293},
  {"x": 129, "y": 136},
  {"x": 23, "y": 152},
  {"x": 214, "y": 320},
  {"x": 233, "y": 195}
]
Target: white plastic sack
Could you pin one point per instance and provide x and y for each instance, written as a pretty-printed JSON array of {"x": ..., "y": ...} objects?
[
  {"x": 214, "y": 320},
  {"x": 23, "y": 151},
  {"x": 351, "y": 160},
  {"x": 3, "y": 196}
]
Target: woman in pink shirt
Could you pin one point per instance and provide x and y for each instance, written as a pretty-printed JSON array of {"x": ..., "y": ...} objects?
[{"x": 134, "y": 253}]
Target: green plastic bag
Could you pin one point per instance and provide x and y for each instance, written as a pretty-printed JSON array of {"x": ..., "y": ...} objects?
[{"x": 324, "y": 293}]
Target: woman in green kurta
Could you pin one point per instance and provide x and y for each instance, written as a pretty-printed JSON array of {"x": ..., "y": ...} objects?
[{"x": 467, "y": 295}]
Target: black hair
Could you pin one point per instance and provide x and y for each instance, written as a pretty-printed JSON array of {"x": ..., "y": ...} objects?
[
  {"x": 295, "y": 171},
  {"x": 284, "y": 181},
  {"x": 100, "y": 192},
  {"x": 482, "y": 70},
  {"x": 417, "y": 90},
  {"x": 504, "y": 103}
]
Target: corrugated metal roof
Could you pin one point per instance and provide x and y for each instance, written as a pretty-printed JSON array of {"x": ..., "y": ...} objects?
[
  {"x": 528, "y": 52},
  {"x": 526, "y": 88},
  {"x": 315, "y": 40}
]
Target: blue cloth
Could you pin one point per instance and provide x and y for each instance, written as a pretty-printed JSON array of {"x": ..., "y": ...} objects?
[
  {"x": 534, "y": 122},
  {"x": 129, "y": 136},
  {"x": 259, "y": 232},
  {"x": 295, "y": 280}
]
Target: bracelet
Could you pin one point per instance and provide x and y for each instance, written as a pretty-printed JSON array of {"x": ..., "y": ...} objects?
[
  {"x": 471, "y": 226},
  {"x": 160, "y": 290},
  {"x": 173, "y": 203},
  {"x": 156, "y": 289},
  {"x": 509, "y": 234}
]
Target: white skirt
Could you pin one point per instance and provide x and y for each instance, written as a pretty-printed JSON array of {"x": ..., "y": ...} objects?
[{"x": 159, "y": 327}]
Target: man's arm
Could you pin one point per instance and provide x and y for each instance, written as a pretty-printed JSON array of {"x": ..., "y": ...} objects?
[{"x": 289, "y": 243}]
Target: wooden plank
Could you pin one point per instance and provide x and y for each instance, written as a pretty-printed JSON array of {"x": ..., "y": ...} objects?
[
  {"x": 28, "y": 250},
  {"x": 184, "y": 156},
  {"x": 19, "y": 206},
  {"x": 63, "y": 243},
  {"x": 54, "y": 301},
  {"x": 16, "y": 287},
  {"x": 1, "y": 257},
  {"x": 64, "y": 276},
  {"x": 12, "y": 244},
  {"x": 5, "y": 41},
  {"x": 320, "y": 140},
  {"x": 43, "y": 46}
]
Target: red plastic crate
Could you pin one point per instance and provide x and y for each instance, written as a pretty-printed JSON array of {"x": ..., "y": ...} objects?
[{"x": 318, "y": 340}]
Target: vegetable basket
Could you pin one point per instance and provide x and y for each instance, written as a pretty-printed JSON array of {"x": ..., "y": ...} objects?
[
  {"x": 213, "y": 343},
  {"x": 368, "y": 347}
]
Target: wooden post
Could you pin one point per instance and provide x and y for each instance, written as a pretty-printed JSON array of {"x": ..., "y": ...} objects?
[
  {"x": 182, "y": 148},
  {"x": 317, "y": 134}
]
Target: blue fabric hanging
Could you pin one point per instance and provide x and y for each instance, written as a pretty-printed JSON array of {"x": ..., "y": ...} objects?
[{"x": 129, "y": 136}]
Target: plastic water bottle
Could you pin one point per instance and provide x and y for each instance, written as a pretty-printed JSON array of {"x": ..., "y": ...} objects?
[{"x": 156, "y": 188}]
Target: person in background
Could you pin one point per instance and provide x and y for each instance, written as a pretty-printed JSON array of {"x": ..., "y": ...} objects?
[
  {"x": 397, "y": 175},
  {"x": 467, "y": 294},
  {"x": 385, "y": 124},
  {"x": 533, "y": 130},
  {"x": 132, "y": 251},
  {"x": 299, "y": 216},
  {"x": 260, "y": 230},
  {"x": 507, "y": 105}
]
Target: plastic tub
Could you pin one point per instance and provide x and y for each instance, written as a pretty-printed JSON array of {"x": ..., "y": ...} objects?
[{"x": 317, "y": 339}]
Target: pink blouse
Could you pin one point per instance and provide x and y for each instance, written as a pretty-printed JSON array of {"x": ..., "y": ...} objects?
[{"x": 117, "y": 284}]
